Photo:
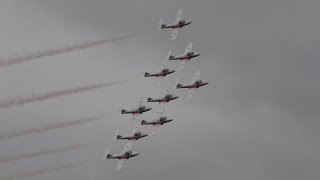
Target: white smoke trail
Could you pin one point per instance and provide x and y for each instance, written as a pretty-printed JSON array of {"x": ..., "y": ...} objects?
[
  {"x": 44, "y": 152},
  {"x": 40, "y": 172},
  {"x": 19, "y": 101},
  {"x": 60, "y": 50},
  {"x": 48, "y": 127}
]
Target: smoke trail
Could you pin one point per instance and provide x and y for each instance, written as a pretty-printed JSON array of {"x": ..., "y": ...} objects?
[
  {"x": 19, "y": 101},
  {"x": 45, "y": 152},
  {"x": 48, "y": 127},
  {"x": 40, "y": 172},
  {"x": 60, "y": 50}
]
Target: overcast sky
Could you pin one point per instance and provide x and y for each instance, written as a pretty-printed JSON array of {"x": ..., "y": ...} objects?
[{"x": 257, "y": 120}]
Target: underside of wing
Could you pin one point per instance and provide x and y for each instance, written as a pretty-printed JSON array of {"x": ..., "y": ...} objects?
[
  {"x": 190, "y": 93},
  {"x": 120, "y": 164},
  {"x": 189, "y": 48},
  {"x": 175, "y": 33},
  {"x": 196, "y": 77},
  {"x": 181, "y": 64},
  {"x": 161, "y": 107},
  {"x": 127, "y": 147},
  {"x": 154, "y": 129},
  {"x": 140, "y": 102},
  {"x": 133, "y": 119},
  {"x": 158, "y": 79},
  {"x": 179, "y": 16}
]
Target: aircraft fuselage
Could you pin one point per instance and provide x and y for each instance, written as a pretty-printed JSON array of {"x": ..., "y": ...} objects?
[
  {"x": 185, "y": 57},
  {"x": 137, "y": 111},
  {"x": 133, "y": 137},
  {"x": 123, "y": 156},
  {"x": 193, "y": 86},
  {"x": 163, "y": 99},
  {"x": 163, "y": 74},
  {"x": 175, "y": 25},
  {"x": 157, "y": 122}
]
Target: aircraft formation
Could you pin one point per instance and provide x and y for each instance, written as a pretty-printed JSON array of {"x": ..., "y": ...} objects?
[{"x": 196, "y": 83}]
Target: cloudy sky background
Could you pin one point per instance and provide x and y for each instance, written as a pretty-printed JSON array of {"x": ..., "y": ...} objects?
[{"x": 258, "y": 121}]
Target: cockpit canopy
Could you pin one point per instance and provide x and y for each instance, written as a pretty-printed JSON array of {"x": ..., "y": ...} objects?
[
  {"x": 163, "y": 118},
  {"x": 142, "y": 108},
  {"x": 198, "y": 81},
  {"x": 168, "y": 96},
  {"x": 190, "y": 53},
  {"x": 137, "y": 134},
  {"x": 182, "y": 21},
  {"x": 165, "y": 70},
  {"x": 128, "y": 152}
]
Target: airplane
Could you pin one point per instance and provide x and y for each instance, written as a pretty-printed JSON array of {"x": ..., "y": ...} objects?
[
  {"x": 176, "y": 26},
  {"x": 186, "y": 56},
  {"x": 195, "y": 84},
  {"x": 135, "y": 135},
  {"x": 156, "y": 123},
  {"x": 163, "y": 71},
  {"x": 137, "y": 111},
  {"x": 163, "y": 100},
  {"x": 122, "y": 157}
]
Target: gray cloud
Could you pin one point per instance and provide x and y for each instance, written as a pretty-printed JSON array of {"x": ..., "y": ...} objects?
[{"x": 259, "y": 121}]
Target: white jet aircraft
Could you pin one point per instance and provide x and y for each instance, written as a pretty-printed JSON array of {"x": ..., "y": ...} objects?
[
  {"x": 122, "y": 157},
  {"x": 195, "y": 84},
  {"x": 176, "y": 26},
  {"x": 186, "y": 56},
  {"x": 156, "y": 123},
  {"x": 163, "y": 100},
  {"x": 137, "y": 111},
  {"x": 134, "y": 136},
  {"x": 162, "y": 73}
]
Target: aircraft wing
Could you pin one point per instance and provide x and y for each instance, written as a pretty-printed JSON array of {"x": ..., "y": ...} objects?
[
  {"x": 165, "y": 61},
  {"x": 120, "y": 164},
  {"x": 127, "y": 147},
  {"x": 182, "y": 64},
  {"x": 190, "y": 93},
  {"x": 161, "y": 107},
  {"x": 133, "y": 119},
  {"x": 140, "y": 102},
  {"x": 188, "y": 49},
  {"x": 196, "y": 77},
  {"x": 154, "y": 129},
  {"x": 179, "y": 16},
  {"x": 175, "y": 33},
  {"x": 158, "y": 79},
  {"x": 136, "y": 127}
]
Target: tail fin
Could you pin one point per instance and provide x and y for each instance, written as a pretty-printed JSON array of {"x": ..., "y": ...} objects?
[
  {"x": 149, "y": 99},
  {"x": 178, "y": 85},
  {"x": 106, "y": 154},
  {"x": 116, "y": 135},
  {"x": 160, "y": 24},
  {"x": 146, "y": 74},
  {"x": 169, "y": 55},
  {"x": 143, "y": 122},
  {"x": 123, "y": 111}
]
